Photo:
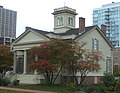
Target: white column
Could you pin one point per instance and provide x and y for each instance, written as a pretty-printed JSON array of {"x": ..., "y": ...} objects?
[
  {"x": 14, "y": 64},
  {"x": 25, "y": 62},
  {"x": 95, "y": 80},
  {"x": 35, "y": 72}
]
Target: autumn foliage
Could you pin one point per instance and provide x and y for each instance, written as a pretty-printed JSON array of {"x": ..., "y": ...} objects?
[
  {"x": 88, "y": 66},
  {"x": 86, "y": 61},
  {"x": 6, "y": 58},
  {"x": 51, "y": 57},
  {"x": 89, "y": 61},
  {"x": 43, "y": 66}
]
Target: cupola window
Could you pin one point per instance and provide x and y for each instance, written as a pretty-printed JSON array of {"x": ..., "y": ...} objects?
[
  {"x": 60, "y": 21},
  {"x": 70, "y": 21}
]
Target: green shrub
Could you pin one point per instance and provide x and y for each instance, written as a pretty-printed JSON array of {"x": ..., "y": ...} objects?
[
  {"x": 95, "y": 90},
  {"x": 118, "y": 86},
  {"x": 1, "y": 81},
  {"x": 71, "y": 87},
  {"x": 16, "y": 82},
  {"x": 4, "y": 81},
  {"x": 109, "y": 81},
  {"x": 82, "y": 87}
]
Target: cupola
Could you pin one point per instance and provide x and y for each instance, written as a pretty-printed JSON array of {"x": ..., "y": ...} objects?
[{"x": 64, "y": 19}]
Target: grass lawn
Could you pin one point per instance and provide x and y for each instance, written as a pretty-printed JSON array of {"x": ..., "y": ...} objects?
[
  {"x": 10, "y": 91},
  {"x": 55, "y": 88}
]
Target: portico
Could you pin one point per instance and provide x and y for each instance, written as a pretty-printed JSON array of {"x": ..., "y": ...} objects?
[{"x": 21, "y": 61}]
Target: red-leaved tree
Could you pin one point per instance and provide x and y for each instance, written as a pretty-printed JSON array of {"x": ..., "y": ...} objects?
[
  {"x": 86, "y": 61},
  {"x": 6, "y": 58},
  {"x": 51, "y": 57},
  {"x": 46, "y": 68}
]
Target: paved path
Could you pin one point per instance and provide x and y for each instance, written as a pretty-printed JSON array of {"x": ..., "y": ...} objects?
[{"x": 24, "y": 90}]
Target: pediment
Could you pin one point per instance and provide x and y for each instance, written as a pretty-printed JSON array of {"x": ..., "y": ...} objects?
[
  {"x": 94, "y": 33},
  {"x": 30, "y": 37}
]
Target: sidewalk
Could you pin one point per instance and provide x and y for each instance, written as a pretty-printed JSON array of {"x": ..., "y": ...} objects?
[{"x": 24, "y": 90}]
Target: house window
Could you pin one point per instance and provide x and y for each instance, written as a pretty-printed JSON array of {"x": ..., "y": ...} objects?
[
  {"x": 116, "y": 66},
  {"x": 108, "y": 65},
  {"x": 95, "y": 44},
  {"x": 70, "y": 21},
  {"x": 60, "y": 21}
]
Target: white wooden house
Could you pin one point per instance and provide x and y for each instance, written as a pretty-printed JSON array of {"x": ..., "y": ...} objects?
[{"x": 64, "y": 27}]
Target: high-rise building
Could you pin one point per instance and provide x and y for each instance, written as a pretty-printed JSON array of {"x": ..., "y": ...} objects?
[
  {"x": 109, "y": 15},
  {"x": 7, "y": 26}
]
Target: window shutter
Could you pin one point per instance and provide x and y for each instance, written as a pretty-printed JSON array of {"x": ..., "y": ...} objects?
[
  {"x": 92, "y": 43},
  {"x": 97, "y": 44}
]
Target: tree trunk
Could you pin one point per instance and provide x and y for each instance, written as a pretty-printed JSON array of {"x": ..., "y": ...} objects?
[{"x": 57, "y": 74}]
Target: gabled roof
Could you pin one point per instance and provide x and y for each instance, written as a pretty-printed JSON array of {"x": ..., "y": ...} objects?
[
  {"x": 37, "y": 30},
  {"x": 73, "y": 31},
  {"x": 87, "y": 29},
  {"x": 28, "y": 29},
  {"x": 99, "y": 30},
  {"x": 76, "y": 31}
]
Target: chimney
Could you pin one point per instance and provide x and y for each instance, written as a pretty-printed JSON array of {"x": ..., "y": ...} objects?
[
  {"x": 103, "y": 28},
  {"x": 1, "y": 6},
  {"x": 81, "y": 24},
  {"x": 26, "y": 28}
]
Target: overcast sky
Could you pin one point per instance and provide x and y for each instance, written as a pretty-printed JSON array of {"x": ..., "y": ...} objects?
[{"x": 37, "y": 13}]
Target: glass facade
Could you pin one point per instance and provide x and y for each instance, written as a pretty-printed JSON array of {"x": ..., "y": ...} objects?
[
  {"x": 109, "y": 15},
  {"x": 7, "y": 25}
]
